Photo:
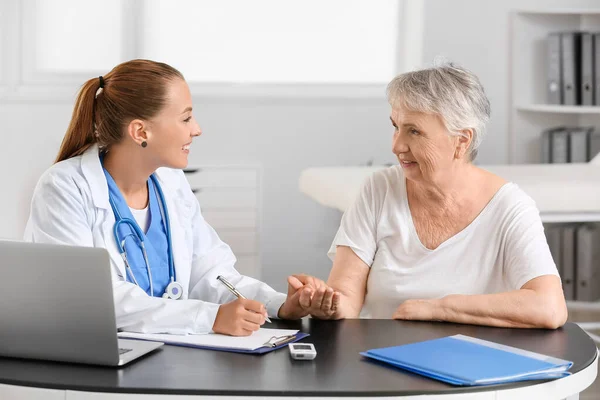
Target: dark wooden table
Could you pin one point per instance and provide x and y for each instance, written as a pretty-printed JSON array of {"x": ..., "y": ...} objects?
[{"x": 338, "y": 370}]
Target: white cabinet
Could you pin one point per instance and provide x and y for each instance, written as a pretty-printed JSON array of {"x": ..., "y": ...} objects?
[
  {"x": 231, "y": 219},
  {"x": 216, "y": 177},
  {"x": 529, "y": 113},
  {"x": 230, "y": 199},
  {"x": 238, "y": 199}
]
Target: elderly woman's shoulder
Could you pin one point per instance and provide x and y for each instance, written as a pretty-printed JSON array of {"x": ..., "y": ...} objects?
[
  {"x": 512, "y": 198},
  {"x": 504, "y": 193},
  {"x": 391, "y": 175}
]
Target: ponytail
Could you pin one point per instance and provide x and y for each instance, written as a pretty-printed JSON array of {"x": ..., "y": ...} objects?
[
  {"x": 80, "y": 134},
  {"x": 135, "y": 89}
]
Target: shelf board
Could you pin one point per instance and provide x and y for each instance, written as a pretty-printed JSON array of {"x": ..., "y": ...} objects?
[
  {"x": 562, "y": 217},
  {"x": 559, "y": 11},
  {"x": 550, "y": 108}
]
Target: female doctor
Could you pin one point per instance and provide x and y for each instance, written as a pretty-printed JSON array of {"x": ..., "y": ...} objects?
[{"x": 117, "y": 183}]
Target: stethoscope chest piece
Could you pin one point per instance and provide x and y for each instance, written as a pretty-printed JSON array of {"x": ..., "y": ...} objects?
[{"x": 173, "y": 291}]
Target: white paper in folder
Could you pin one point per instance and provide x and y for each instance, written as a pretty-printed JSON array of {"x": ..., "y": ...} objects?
[{"x": 261, "y": 338}]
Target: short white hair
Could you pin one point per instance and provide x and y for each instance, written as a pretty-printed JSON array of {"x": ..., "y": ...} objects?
[{"x": 450, "y": 91}]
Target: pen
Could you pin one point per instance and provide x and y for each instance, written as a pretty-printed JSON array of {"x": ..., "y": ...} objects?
[{"x": 236, "y": 292}]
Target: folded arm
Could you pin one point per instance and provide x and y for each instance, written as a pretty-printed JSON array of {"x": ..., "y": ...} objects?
[
  {"x": 539, "y": 303},
  {"x": 528, "y": 267}
]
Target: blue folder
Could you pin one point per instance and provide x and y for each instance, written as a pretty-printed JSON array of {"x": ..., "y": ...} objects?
[{"x": 466, "y": 361}]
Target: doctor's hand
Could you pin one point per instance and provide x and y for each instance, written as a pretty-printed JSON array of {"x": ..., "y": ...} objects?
[
  {"x": 240, "y": 317},
  {"x": 297, "y": 295},
  {"x": 323, "y": 301}
]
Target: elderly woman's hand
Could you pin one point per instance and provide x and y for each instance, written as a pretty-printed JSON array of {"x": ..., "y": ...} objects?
[
  {"x": 324, "y": 300},
  {"x": 418, "y": 310}
]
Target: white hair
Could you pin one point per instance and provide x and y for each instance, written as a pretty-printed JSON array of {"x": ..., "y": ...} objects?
[{"x": 450, "y": 91}]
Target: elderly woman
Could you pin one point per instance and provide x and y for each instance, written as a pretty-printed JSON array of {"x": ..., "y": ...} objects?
[{"x": 436, "y": 237}]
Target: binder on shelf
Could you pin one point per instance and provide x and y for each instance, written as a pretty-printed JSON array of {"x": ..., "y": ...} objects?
[
  {"x": 571, "y": 67},
  {"x": 546, "y": 146},
  {"x": 568, "y": 261},
  {"x": 560, "y": 146},
  {"x": 579, "y": 144},
  {"x": 587, "y": 69},
  {"x": 554, "y": 70},
  {"x": 553, "y": 237},
  {"x": 594, "y": 145},
  {"x": 588, "y": 278},
  {"x": 596, "y": 62},
  {"x": 546, "y": 154}
]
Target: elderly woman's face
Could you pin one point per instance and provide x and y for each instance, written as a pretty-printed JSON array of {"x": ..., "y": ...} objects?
[{"x": 422, "y": 144}]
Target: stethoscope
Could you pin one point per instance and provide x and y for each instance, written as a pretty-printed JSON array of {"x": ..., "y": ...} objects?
[{"x": 174, "y": 290}]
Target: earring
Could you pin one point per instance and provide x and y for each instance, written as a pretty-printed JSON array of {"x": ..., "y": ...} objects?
[{"x": 144, "y": 143}]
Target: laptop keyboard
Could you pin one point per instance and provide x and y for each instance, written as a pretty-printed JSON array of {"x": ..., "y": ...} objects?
[{"x": 123, "y": 351}]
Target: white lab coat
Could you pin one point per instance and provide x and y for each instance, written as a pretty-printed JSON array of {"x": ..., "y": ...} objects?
[{"x": 70, "y": 206}]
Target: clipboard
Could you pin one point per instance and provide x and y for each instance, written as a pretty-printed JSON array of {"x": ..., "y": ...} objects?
[{"x": 273, "y": 342}]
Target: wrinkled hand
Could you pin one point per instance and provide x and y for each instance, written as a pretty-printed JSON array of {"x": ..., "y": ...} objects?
[
  {"x": 240, "y": 317},
  {"x": 417, "y": 310},
  {"x": 324, "y": 303}
]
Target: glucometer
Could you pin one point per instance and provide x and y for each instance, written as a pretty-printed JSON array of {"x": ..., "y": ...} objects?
[{"x": 302, "y": 351}]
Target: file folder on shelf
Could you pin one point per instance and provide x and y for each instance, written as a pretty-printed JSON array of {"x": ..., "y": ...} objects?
[
  {"x": 467, "y": 361},
  {"x": 553, "y": 72},
  {"x": 596, "y": 63},
  {"x": 262, "y": 341},
  {"x": 594, "y": 144},
  {"x": 547, "y": 144},
  {"x": 568, "y": 262},
  {"x": 560, "y": 146},
  {"x": 579, "y": 144},
  {"x": 571, "y": 67},
  {"x": 588, "y": 272},
  {"x": 587, "y": 69},
  {"x": 554, "y": 239}
]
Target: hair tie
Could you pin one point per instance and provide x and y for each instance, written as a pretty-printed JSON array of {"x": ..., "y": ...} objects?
[{"x": 101, "y": 79}]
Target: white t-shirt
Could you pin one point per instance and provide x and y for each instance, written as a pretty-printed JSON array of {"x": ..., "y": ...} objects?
[
  {"x": 501, "y": 250},
  {"x": 141, "y": 217}
]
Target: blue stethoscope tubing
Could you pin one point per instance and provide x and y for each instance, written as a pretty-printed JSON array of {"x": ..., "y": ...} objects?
[{"x": 174, "y": 290}]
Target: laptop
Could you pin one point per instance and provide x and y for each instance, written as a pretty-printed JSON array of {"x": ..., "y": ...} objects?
[{"x": 57, "y": 304}]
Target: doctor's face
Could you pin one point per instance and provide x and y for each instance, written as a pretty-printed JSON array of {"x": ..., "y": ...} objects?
[{"x": 170, "y": 133}]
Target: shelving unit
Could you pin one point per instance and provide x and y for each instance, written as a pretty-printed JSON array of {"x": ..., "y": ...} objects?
[
  {"x": 230, "y": 198},
  {"x": 529, "y": 115}
]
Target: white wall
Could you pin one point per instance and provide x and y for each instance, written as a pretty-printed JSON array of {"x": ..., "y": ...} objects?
[
  {"x": 287, "y": 135},
  {"x": 475, "y": 34},
  {"x": 30, "y": 135}
]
